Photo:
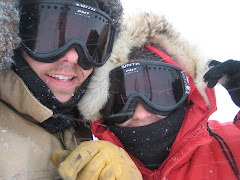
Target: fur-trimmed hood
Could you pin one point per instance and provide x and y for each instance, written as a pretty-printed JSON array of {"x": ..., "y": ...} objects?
[
  {"x": 9, "y": 40},
  {"x": 9, "y": 23},
  {"x": 139, "y": 29}
]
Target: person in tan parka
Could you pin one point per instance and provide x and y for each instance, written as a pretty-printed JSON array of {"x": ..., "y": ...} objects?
[{"x": 41, "y": 84}]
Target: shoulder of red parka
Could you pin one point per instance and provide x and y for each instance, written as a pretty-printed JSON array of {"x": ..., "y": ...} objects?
[
  {"x": 207, "y": 149},
  {"x": 226, "y": 140},
  {"x": 228, "y": 131},
  {"x": 208, "y": 155}
]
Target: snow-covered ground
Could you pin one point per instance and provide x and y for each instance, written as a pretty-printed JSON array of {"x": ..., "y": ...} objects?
[{"x": 211, "y": 24}]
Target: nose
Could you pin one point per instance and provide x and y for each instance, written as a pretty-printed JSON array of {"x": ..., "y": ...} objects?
[
  {"x": 71, "y": 56},
  {"x": 140, "y": 113}
]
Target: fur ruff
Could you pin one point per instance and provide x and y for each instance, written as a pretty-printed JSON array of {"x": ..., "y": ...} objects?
[
  {"x": 139, "y": 29},
  {"x": 9, "y": 40}
]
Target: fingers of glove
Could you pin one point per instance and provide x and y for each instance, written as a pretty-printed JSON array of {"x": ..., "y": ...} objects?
[
  {"x": 70, "y": 167},
  {"x": 215, "y": 73},
  {"x": 214, "y": 63},
  {"x": 93, "y": 168},
  {"x": 218, "y": 71},
  {"x": 121, "y": 169},
  {"x": 103, "y": 167},
  {"x": 109, "y": 153},
  {"x": 212, "y": 83},
  {"x": 123, "y": 172},
  {"x": 58, "y": 156}
]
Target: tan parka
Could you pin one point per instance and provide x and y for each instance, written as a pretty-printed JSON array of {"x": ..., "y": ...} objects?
[{"x": 25, "y": 147}]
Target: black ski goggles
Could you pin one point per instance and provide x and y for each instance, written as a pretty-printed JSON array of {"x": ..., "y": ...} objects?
[
  {"x": 50, "y": 28},
  {"x": 160, "y": 87}
]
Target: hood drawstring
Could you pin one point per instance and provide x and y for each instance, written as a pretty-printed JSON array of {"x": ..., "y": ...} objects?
[{"x": 230, "y": 159}]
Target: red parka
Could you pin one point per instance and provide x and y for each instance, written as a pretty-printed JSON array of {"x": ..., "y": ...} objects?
[
  {"x": 195, "y": 154},
  {"x": 202, "y": 150}
]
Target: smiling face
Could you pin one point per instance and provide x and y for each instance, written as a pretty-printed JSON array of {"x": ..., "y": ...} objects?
[{"x": 62, "y": 77}]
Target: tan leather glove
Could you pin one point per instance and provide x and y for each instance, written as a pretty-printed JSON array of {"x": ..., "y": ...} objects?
[{"x": 93, "y": 160}]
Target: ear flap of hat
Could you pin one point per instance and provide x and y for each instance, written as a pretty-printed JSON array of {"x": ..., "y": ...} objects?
[
  {"x": 111, "y": 7},
  {"x": 9, "y": 39},
  {"x": 114, "y": 9}
]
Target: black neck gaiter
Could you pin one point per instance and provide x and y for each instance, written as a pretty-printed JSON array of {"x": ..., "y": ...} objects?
[
  {"x": 64, "y": 114},
  {"x": 151, "y": 143}
]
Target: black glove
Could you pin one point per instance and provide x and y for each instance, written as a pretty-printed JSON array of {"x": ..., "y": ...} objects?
[{"x": 231, "y": 68}]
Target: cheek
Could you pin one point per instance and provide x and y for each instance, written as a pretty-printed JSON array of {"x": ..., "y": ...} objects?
[
  {"x": 86, "y": 73},
  {"x": 35, "y": 65},
  {"x": 159, "y": 117},
  {"x": 125, "y": 124},
  {"x": 122, "y": 125},
  {"x": 38, "y": 67}
]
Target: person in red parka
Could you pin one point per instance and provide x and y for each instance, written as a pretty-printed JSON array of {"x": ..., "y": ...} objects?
[
  {"x": 154, "y": 97},
  {"x": 179, "y": 145}
]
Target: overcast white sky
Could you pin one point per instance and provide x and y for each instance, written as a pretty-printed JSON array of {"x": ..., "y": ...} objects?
[{"x": 211, "y": 24}]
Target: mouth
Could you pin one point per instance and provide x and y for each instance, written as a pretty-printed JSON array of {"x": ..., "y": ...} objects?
[{"x": 61, "y": 77}]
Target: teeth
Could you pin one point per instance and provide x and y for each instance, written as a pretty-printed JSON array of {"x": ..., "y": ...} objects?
[{"x": 61, "y": 77}]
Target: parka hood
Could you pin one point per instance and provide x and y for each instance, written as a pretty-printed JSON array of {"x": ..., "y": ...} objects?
[
  {"x": 140, "y": 29},
  {"x": 9, "y": 40},
  {"x": 10, "y": 18}
]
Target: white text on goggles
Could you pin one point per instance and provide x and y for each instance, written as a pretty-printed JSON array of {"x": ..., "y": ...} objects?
[
  {"x": 160, "y": 87},
  {"x": 49, "y": 30}
]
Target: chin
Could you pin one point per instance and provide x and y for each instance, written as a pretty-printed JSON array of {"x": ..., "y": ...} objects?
[{"x": 64, "y": 98}]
